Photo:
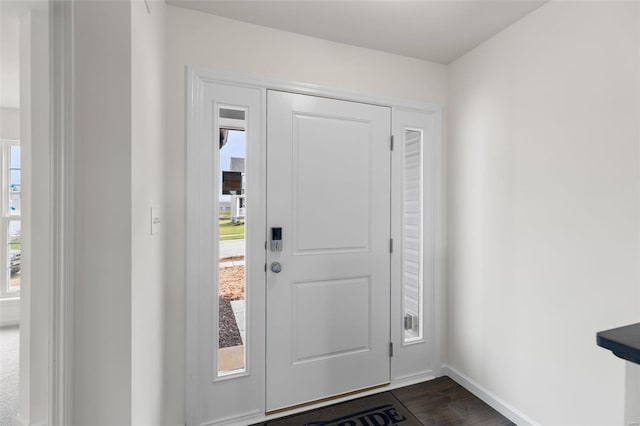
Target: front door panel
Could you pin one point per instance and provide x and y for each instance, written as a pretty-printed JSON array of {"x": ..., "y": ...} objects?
[{"x": 328, "y": 188}]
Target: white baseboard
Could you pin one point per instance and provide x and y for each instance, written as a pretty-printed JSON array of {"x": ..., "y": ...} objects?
[
  {"x": 489, "y": 398},
  {"x": 9, "y": 312},
  {"x": 411, "y": 379},
  {"x": 21, "y": 422}
]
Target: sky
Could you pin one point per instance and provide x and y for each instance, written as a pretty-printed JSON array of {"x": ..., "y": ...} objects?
[{"x": 235, "y": 147}]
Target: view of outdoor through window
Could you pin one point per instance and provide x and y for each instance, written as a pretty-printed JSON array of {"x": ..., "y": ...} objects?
[
  {"x": 10, "y": 221},
  {"x": 231, "y": 231},
  {"x": 412, "y": 236}
]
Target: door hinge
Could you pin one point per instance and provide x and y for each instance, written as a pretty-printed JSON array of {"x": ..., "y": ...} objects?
[
  {"x": 391, "y": 349},
  {"x": 265, "y": 267},
  {"x": 391, "y": 142},
  {"x": 390, "y": 245}
]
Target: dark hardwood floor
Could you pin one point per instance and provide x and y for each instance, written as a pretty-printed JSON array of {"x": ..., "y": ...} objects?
[
  {"x": 443, "y": 402},
  {"x": 439, "y": 402}
]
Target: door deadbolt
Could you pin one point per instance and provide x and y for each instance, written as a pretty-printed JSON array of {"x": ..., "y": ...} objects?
[
  {"x": 276, "y": 267},
  {"x": 276, "y": 239}
]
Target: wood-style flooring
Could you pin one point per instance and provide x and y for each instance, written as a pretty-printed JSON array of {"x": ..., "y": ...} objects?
[{"x": 443, "y": 402}]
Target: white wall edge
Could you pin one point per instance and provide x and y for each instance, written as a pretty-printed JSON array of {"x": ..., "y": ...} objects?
[
  {"x": 61, "y": 320},
  {"x": 489, "y": 398},
  {"x": 439, "y": 246},
  {"x": 193, "y": 92}
]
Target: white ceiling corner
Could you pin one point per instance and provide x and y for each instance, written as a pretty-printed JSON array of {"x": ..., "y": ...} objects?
[{"x": 433, "y": 30}]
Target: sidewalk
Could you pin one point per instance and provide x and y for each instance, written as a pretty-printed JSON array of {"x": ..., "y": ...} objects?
[{"x": 230, "y": 248}]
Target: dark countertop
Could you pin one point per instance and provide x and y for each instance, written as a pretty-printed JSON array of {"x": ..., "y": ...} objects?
[{"x": 624, "y": 342}]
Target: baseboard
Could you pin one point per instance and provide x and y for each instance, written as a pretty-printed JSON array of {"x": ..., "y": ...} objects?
[
  {"x": 239, "y": 420},
  {"x": 489, "y": 398},
  {"x": 9, "y": 312},
  {"x": 412, "y": 379},
  {"x": 20, "y": 422}
]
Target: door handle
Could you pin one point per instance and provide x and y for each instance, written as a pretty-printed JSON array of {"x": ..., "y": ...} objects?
[{"x": 276, "y": 267}]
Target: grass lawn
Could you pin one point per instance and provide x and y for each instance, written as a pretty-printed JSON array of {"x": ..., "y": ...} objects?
[{"x": 229, "y": 231}]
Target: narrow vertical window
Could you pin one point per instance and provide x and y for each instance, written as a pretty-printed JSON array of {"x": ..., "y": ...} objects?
[
  {"x": 232, "y": 214},
  {"x": 412, "y": 250},
  {"x": 10, "y": 261}
]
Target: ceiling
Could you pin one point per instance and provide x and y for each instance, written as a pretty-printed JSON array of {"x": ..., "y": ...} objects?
[{"x": 434, "y": 30}]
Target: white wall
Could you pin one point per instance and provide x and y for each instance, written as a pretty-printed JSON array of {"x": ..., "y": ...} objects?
[
  {"x": 219, "y": 44},
  {"x": 25, "y": 59},
  {"x": 543, "y": 210},
  {"x": 9, "y": 123},
  {"x": 147, "y": 188},
  {"x": 36, "y": 266},
  {"x": 103, "y": 213}
]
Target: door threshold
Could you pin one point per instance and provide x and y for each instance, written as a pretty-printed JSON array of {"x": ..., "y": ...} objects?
[{"x": 322, "y": 400}]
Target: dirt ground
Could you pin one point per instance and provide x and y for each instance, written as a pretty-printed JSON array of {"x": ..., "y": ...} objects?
[{"x": 232, "y": 280}]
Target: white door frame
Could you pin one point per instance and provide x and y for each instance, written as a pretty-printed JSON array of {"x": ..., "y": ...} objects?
[
  {"x": 197, "y": 78},
  {"x": 202, "y": 205},
  {"x": 60, "y": 392},
  {"x": 56, "y": 318}
]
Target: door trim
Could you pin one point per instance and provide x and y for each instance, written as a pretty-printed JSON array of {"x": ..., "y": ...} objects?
[
  {"x": 235, "y": 79},
  {"x": 196, "y": 79},
  {"x": 62, "y": 182}
]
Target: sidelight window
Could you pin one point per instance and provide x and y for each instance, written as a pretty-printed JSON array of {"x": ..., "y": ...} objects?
[
  {"x": 412, "y": 247},
  {"x": 231, "y": 242}
]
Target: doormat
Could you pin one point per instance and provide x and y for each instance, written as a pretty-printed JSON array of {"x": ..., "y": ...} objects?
[{"x": 375, "y": 410}]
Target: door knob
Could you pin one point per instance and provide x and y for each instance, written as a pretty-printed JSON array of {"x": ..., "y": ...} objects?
[{"x": 276, "y": 267}]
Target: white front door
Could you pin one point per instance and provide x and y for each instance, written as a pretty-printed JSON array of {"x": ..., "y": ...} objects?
[{"x": 328, "y": 189}]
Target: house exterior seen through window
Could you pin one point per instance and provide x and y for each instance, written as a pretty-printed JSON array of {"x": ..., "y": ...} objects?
[{"x": 10, "y": 223}]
